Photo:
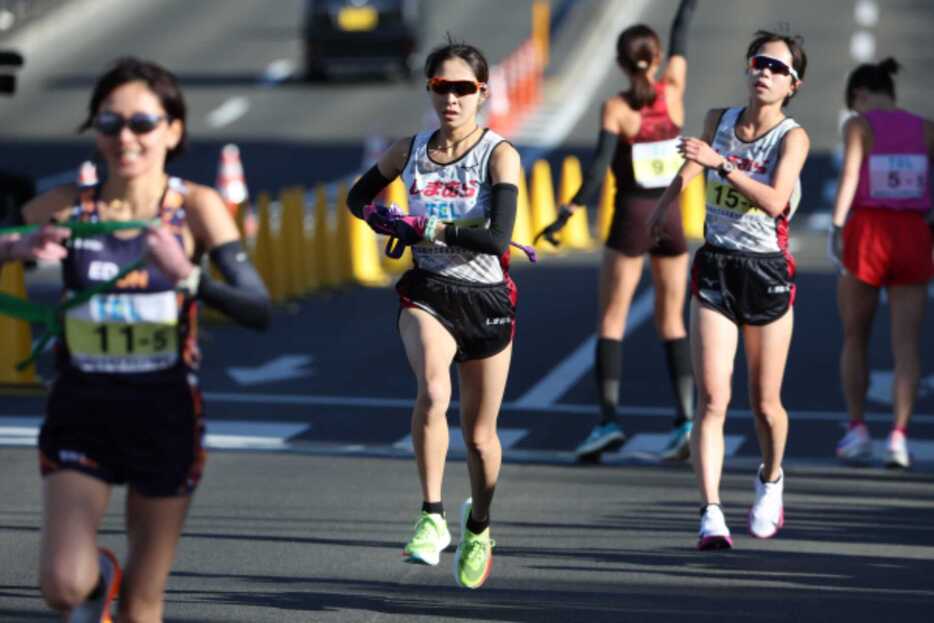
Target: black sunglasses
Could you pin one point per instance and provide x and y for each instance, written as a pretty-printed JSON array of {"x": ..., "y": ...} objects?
[
  {"x": 459, "y": 88},
  {"x": 774, "y": 65},
  {"x": 111, "y": 124}
]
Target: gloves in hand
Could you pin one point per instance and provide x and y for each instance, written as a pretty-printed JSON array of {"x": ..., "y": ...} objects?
[{"x": 835, "y": 245}]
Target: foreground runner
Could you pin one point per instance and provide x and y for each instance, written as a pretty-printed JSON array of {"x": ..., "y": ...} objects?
[
  {"x": 884, "y": 244},
  {"x": 458, "y": 303},
  {"x": 648, "y": 117},
  {"x": 742, "y": 279},
  {"x": 125, "y": 407}
]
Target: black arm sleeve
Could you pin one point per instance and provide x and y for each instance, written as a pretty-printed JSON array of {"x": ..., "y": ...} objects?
[
  {"x": 365, "y": 190},
  {"x": 593, "y": 178},
  {"x": 678, "y": 40},
  {"x": 243, "y": 298},
  {"x": 494, "y": 240}
]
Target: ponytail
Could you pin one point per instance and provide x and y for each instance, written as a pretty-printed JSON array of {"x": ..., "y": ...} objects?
[
  {"x": 637, "y": 49},
  {"x": 875, "y": 78}
]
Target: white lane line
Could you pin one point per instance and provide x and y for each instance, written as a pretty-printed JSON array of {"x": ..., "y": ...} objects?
[
  {"x": 508, "y": 437},
  {"x": 648, "y": 446},
  {"x": 228, "y": 112},
  {"x": 866, "y": 13},
  {"x": 567, "y": 373},
  {"x": 278, "y": 71},
  {"x": 862, "y": 46},
  {"x": 222, "y": 434}
]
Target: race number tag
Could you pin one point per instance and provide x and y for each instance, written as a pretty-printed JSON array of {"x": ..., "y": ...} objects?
[
  {"x": 655, "y": 164},
  {"x": 124, "y": 333},
  {"x": 726, "y": 196},
  {"x": 897, "y": 176}
]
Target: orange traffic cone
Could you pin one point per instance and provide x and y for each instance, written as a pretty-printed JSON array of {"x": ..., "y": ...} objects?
[{"x": 230, "y": 181}]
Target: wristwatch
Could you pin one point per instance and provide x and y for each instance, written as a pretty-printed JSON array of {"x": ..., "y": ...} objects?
[{"x": 726, "y": 167}]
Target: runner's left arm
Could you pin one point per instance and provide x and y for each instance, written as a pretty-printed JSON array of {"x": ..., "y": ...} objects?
[
  {"x": 505, "y": 169},
  {"x": 676, "y": 69},
  {"x": 242, "y": 296},
  {"x": 379, "y": 176}
]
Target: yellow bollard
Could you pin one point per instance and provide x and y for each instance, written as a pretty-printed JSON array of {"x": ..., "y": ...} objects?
[
  {"x": 542, "y": 202},
  {"x": 15, "y": 335},
  {"x": 324, "y": 236},
  {"x": 396, "y": 193},
  {"x": 309, "y": 253},
  {"x": 522, "y": 230},
  {"x": 279, "y": 251},
  {"x": 265, "y": 250},
  {"x": 607, "y": 206},
  {"x": 576, "y": 234},
  {"x": 693, "y": 210},
  {"x": 292, "y": 237},
  {"x": 360, "y": 254},
  {"x": 339, "y": 250}
]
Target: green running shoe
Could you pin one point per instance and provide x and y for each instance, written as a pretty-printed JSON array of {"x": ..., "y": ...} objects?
[
  {"x": 431, "y": 537},
  {"x": 474, "y": 557}
]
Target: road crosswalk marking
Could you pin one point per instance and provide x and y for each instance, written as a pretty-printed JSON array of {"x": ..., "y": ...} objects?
[
  {"x": 508, "y": 437},
  {"x": 648, "y": 446},
  {"x": 222, "y": 434}
]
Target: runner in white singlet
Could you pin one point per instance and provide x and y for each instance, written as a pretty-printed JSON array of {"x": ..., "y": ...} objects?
[{"x": 742, "y": 280}]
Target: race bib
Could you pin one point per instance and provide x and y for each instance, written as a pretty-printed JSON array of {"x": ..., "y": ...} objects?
[
  {"x": 655, "y": 164},
  {"x": 726, "y": 196},
  {"x": 897, "y": 176},
  {"x": 124, "y": 333}
]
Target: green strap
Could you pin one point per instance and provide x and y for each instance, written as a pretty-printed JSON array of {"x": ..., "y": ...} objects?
[{"x": 82, "y": 229}]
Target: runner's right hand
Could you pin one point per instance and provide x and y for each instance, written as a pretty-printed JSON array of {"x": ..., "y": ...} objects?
[
  {"x": 42, "y": 244},
  {"x": 549, "y": 233}
]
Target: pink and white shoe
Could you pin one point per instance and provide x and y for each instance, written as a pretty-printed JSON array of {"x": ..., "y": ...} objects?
[
  {"x": 714, "y": 533},
  {"x": 767, "y": 515}
]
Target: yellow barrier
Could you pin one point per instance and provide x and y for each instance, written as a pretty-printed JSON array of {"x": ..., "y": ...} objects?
[
  {"x": 324, "y": 236},
  {"x": 693, "y": 209},
  {"x": 607, "y": 205},
  {"x": 576, "y": 234},
  {"x": 266, "y": 261},
  {"x": 15, "y": 335},
  {"x": 396, "y": 193},
  {"x": 522, "y": 230},
  {"x": 542, "y": 202},
  {"x": 339, "y": 249},
  {"x": 291, "y": 238}
]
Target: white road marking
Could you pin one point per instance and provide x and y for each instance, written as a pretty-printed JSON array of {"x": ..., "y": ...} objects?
[
  {"x": 573, "y": 409},
  {"x": 647, "y": 446},
  {"x": 281, "y": 368},
  {"x": 228, "y": 112},
  {"x": 862, "y": 46},
  {"x": 880, "y": 386},
  {"x": 508, "y": 437},
  {"x": 278, "y": 71},
  {"x": 866, "y": 13},
  {"x": 243, "y": 435},
  {"x": 567, "y": 373}
]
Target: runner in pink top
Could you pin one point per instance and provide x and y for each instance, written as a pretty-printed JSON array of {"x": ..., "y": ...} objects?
[{"x": 884, "y": 243}]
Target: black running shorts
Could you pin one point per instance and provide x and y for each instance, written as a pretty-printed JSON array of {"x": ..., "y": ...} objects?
[
  {"x": 753, "y": 289},
  {"x": 148, "y": 437},
  {"x": 480, "y": 317},
  {"x": 629, "y": 230}
]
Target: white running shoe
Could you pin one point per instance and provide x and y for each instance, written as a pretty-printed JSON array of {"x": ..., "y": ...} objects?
[
  {"x": 856, "y": 445},
  {"x": 713, "y": 533},
  {"x": 896, "y": 451},
  {"x": 767, "y": 515},
  {"x": 430, "y": 539}
]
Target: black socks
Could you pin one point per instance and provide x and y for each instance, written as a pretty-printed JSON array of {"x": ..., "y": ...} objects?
[
  {"x": 678, "y": 357},
  {"x": 477, "y": 526},
  {"x": 608, "y": 368},
  {"x": 433, "y": 507}
]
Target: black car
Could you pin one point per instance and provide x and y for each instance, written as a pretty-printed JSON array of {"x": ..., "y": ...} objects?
[{"x": 361, "y": 35}]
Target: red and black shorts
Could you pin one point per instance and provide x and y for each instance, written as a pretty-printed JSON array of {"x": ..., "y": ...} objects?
[
  {"x": 146, "y": 436},
  {"x": 747, "y": 288},
  {"x": 480, "y": 317},
  {"x": 629, "y": 229}
]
